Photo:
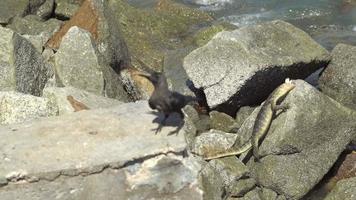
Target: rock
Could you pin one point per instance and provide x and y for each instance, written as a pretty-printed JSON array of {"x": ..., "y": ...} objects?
[
  {"x": 65, "y": 106},
  {"x": 223, "y": 122},
  {"x": 212, "y": 184},
  {"x": 213, "y": 142},
  {"x": 23, "y": 68},
  {"x": 101, "y": 23},
  {"x": 191, "y": 116},
  {"x": 338, "y": 79},
  {"x": 16, "y": 107},
  {"x": 302, "y": 143},
  {"x": 45, "y": 10},
  {"x": 204, "y": 35},
  {"x": 345, "y": 189},
  {"x": 11, "y": 8},
  {"x": 243, "y": 66},
  {"x": 230, "y": 169},
  {"x": 243, "y": 114},
  {"x": 251, "y": 195},
  {"x": 151, "y": 33},
  {"x": 209, "y": 2},
  {"x": 85, "y": 155},
  {"x": 268, "y": 194},
  {"x": 77, "y": 64},
  {"x": 346, "y": 168},
  {"x": 77, "y": 50},
  {"x": 173, "y": 70},
  {"x": 241, "y": 187},
  {"x": 65, "y": 10},
  {"x": 31, "y": 25}
]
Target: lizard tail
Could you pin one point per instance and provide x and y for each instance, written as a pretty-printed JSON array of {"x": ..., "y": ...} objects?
[{"x": 233, "y": 152}]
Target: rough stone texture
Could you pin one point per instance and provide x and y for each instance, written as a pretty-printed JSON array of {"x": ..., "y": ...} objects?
[
  {"x": 164, "y": 177},
  {"x": 243, "y": 66},
  {"x": 252, "y": 195},
  {"x": 17, "y": 107},
  {"x": 92, "y": 101},
  {"x": 230, "y": 169},
  {"x": 212, "y": 184},
  {"x": 223, "y": 122},
  {"x": 79, "y": 154},
  {"x": 77, "y": 64},
  {"x": 213, "y": 142},
  {"x": 345, "y": 189},
  {"x": 241, "y": 187},
  {"x": 243, "y": 114},
  {"x": 31, "y": 25},
  {"x": 22, "y": 67},
  {"x": 11, "y": 8},
  {"x": 65, "y": 10},
  {"x": 45, "y": 10},
  {"x": 338, "y": 79},
  {"x": 173, "y": 70},
  {"x": 97, "y": 18},
  {"x": 302, "y": 143}
]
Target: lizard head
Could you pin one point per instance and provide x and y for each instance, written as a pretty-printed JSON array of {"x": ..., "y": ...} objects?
[{"x": 289, "y": 84}]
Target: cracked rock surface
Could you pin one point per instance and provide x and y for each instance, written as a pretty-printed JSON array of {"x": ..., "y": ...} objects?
[{"x": 85, "y": 143}]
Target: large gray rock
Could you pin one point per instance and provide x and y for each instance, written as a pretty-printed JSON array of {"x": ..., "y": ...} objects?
[
  {"x": 17, "y": 107},
  {"x": 344, "y": 189},
  {"x": 31, "y": 25},
  {"x": 79, "y": 64},
  {"x": 243, "y": 66},
  {"x": 92, "y": 101},
  {"x": 302, "y": 143},
  {"x": 22, "y": 67},
  {"x": 339, "y": 78},
  {"x": 96, "y": 154},
  {"x": 11, "y": 8}
]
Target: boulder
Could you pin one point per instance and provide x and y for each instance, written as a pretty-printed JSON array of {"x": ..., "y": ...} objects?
[
  {"x": 243, "y": 66},
  {"x": 345, "y": 189},
  {"x": 338, "y": 79},
  {"x": 213, "y": 142},
  {"x": 230, "y": 168},
  {"x": 17, "y": 107},
  {"x": 11, "y": 8},
  {"x": 79, "y": 64},
  {"x": 22, "y": 67},
  {"x": 45, "y": 10},
  {"x": 67, "y": 98},
  {"x": 65, "y": 10},
  {"x": 96, "y": 154},
  {"x": 32, "y": 25},
  {"x": 302, "y": 143},
  {"x": 223, "y": 122}
]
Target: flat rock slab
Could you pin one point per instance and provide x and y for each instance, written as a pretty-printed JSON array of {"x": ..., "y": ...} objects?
[
  {"x": 243, "y": 66},
  {"x": 82, "y": 143}
]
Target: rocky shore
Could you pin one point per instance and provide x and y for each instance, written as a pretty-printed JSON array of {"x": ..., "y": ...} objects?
[{"x": 76, "y": 124}]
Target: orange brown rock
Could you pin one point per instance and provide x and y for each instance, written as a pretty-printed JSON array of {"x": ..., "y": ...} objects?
[{"x": 85, "y": 18}]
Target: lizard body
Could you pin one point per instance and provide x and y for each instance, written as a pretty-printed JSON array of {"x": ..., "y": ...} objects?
[{"x": 262, "y": 122}]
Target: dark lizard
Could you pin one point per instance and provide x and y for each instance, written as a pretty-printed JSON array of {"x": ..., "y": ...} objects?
[{"x": 262, "y": 122}]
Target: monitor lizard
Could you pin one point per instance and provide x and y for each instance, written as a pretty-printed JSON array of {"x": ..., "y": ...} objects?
[{"x": 263, "y": 121}]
